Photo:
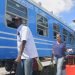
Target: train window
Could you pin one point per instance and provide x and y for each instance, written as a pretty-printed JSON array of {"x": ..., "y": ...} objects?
[
  {"x": 71, "y": 38},
  {"x": 42, "y": 25},
  {"x": 64, "y": 34},
  {"x": 14, "y": 9},
  {"x": 64, "y": 31},
  {"x": 55, "y": 29}
]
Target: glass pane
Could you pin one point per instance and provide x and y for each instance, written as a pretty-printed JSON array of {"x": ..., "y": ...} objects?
[
  {"x": 42, "y": 20},
  {"x": 55, "y": 33},
  {"x": 40, "y": 32},
  {"x": 10, "y": 9},
  {"x": 65, "y": 32},
  {"x": 10, "y": 21},
  {"x": 16, "y": 5},
  {"x": 55, "y": 27},
  {"x": 16, "y": 8},
  {"x": 64, "y": 38}
]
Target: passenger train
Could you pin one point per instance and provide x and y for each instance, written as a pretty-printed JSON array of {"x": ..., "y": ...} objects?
[{"x": 43, "y": 24}]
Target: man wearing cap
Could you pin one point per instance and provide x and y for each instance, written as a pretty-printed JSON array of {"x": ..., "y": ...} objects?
[
  {"x": 59, "y": 49},
  {"x": 26, "y": 48}
]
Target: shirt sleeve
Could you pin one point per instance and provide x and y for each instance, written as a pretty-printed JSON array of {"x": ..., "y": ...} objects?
[{"x": 24, "y": 33}]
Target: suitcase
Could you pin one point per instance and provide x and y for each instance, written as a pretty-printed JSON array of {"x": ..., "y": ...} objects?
[
  {"x": 70, "y": 67},
  {"x": 35, "y": 68}
]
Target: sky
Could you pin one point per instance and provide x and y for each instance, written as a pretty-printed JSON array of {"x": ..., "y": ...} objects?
[{"x": 64, "y": 9}]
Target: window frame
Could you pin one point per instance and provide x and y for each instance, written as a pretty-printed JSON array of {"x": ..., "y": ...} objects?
[
  {"x": 47, "y": 30},
  {"x": 55, "y": 31}
]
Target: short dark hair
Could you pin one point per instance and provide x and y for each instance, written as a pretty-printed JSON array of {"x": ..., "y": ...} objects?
[{"x": 17, "y": 18}]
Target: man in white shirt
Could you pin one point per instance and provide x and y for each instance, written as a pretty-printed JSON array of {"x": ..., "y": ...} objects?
[{"x": 26, "y": 48}]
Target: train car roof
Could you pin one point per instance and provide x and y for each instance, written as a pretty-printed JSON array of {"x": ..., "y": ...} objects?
[{"x": 48, "y": 12}]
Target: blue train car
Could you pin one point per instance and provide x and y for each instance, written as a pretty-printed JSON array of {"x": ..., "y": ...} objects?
[{"x": 44, "y": 27}]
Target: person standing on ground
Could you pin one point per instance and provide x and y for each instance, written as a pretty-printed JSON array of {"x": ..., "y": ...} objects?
[
  {"x": 59, "y": 49},
  {"x": 26, "y": 48}
]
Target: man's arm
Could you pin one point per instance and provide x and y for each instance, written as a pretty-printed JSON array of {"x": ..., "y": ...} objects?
[
  {"x": 52, "y": 55},
  {"x": 22, "y": 46}
]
